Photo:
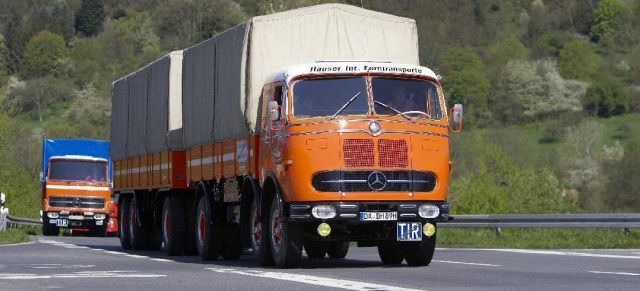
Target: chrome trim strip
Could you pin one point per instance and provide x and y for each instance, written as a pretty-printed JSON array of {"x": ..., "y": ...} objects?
[
  {"x": 348, "y": 206},
  {"x": 359, "y": 131},
  {"x": 348, "y": 215},
  {"x": 407, "y": 206},
  {"x": 365, "y": 120},
  {"x": 407, "y": 215}
]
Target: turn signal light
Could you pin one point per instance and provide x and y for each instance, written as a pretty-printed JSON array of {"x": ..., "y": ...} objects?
[{"x": 324, "y": 229}]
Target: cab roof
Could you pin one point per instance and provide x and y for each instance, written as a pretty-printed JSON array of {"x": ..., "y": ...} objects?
[
  {"x": 79, "y": 158},
  {"x": 286, "y": 74}
]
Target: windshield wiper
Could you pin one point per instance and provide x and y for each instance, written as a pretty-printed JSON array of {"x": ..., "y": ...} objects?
[
  {"x": 345, "y": 106},
  {"x": 392, "y": 109}
]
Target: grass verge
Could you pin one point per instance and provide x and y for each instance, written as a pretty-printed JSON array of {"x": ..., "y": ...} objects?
[{"x": 540, "y": 238}]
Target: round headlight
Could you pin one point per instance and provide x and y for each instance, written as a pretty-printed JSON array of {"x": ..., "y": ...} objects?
[
  {"x": 324, "y": 229},
  {"x": 324, "y": 211},
  {"x": 429, "y": 229},
  {"x": 99, "y": 216},
  {"x": 428, "y": 211},
  {"x": 53, "y": 214}
]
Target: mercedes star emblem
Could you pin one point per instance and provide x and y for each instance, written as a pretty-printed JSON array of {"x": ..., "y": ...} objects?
[
  {"x": 377, "y": 181},
  {"x": 374, "y": 128},
  {"x": 77, "y": 202}
]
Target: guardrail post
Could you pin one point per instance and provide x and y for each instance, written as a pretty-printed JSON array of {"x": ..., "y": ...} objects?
[
  {"x": 626, "y": 231},
  {"x": 498, "y": 232}
]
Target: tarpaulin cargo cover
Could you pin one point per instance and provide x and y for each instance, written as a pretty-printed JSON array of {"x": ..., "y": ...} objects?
[{"x": 223, "y": 76}]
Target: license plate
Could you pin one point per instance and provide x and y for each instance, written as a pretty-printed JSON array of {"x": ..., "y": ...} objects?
[
  {"x": 378, "y": 216},
  {"x": 62, "y": 222},
  {"x": 76, "y": 217},
  {"x": 409, "y": 231}
]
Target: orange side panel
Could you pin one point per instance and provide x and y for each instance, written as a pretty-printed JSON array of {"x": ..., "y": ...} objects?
[
  {"x": 135, "y": 172},
  {"x": 179, "y": 170},
  {"x": 207, "y": 162},
  {"x": 144, "y": 172},
  {"x": 228, "y": 159}
]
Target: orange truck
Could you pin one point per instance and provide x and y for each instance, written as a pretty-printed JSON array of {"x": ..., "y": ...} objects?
[
  {"x": 246, "y": 141},
  {"x": 76, "y": 186}
]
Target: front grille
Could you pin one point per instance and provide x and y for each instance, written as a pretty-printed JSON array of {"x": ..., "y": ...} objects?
[
  {"x": 393, "y": 153},
  {"x": 376, "y": 181},
  {"x": 73, "y": 202},
  {"x": 358, "y": 153}
]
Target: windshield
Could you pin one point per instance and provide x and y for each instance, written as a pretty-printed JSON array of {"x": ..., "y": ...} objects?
[
  {"x": 78, "y": 171},
  {"x": 326, "y": 97},
  {"x": 393, "y": 95}
]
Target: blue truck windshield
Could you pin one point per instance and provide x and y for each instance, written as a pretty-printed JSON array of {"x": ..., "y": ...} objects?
[{"x": 78, "y": 171}]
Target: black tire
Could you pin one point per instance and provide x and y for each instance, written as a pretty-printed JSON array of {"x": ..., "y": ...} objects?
[
  {"x": 419, "y": 253},
  {"x": 190, "y": 248},
  {"x": 316, "y": 249},
  {"x": 260, "y": 237},
  {"x": 286, "y": 239},
  {"x": 123, "y": 223},
  {"x": 208, "y": 236},
  {"x": 338, "y": 249},
  {"x": 98, "y": 231},
  {"x": 137, "y": 233},
  {"x": 172, "y": 226},
  {"x": 390, "y": 252},
  {"x": 232, "y": 249},
  {"x": 50, "y": 230}
]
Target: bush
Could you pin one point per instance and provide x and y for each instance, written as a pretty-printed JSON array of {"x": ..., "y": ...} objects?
[
  {"x": 607, "y": 97},
  {"x": 501, "y": 187}
]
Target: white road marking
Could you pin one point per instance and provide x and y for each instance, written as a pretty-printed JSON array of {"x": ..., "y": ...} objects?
[
  {"x": 161, "y": 260},
  {"x": 561, "y": 253},
  {"x": 463, "y": 263},
  {"x": 59, "y": 266},
  {"x": 615, "y": 273},
  {"x": 10, "y": 245},
  {"x": 313, "y": 280},
  {"x": 79, "y": 275}
]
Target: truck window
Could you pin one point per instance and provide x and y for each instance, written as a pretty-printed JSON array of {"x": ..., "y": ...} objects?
[
  {"x": 78, "y": 171},
  {"x": 406, "y": 95},
  {"x": 323, "y": 97}
]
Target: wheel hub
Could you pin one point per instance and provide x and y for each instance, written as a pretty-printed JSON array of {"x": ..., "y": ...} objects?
[
  {"x": 256, "y": 231},
  {"x": 276, "y": 231},
  {"x": 201, "y": 226},
  {"x": 167, "y": 236}
]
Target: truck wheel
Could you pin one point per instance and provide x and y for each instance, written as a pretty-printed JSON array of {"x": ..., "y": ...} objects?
[
  {"x": 123, "y": 222},
  {"x": 259, "y": 242},
  {"x": 390, "y": 252},
  {"x": 50, "y": 230},
  {"x": 98, "y": 230},
  {"x": 137, "y": 233},
  {"x": 286, "y": 239},
  {"x": 232, "y": 244},
  {"x": 190, "y": 248},
  {"x": 338, "y": 249},
  {"x": 419, "y": 253},
  {"x": 208, "y": 236},
  {"x": 172, "y": 226},
  {"x": 315, "y": 249}
]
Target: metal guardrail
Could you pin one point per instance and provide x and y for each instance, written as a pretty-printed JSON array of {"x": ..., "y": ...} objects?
[
  {"x": 19, "y": 222},
  {"x": 625, "y": 221}
]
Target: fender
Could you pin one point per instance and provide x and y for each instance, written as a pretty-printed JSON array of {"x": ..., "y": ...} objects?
[
  {"x": 256, "y": 192},
  {"x": 272, "y": 175}
]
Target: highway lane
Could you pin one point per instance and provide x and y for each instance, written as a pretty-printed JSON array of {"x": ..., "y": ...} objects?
[{"x": 101, "y": 264}]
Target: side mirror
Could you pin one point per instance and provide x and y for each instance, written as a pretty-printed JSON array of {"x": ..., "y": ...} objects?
[
  {"x": 275, "y": 112},
  {"x": 41, "y": 177},
  {"x": 455, "y": 118}
]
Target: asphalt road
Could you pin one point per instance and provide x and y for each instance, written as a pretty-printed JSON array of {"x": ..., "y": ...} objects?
[{"x": 84, "y": 263}]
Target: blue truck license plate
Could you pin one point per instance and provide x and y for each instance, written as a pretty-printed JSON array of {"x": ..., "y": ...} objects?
[{"x": 409, "y": 231}]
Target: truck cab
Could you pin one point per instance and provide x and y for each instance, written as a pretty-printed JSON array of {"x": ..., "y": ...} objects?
[
  {"x": 76, "y": 190},
  {"x": 357, "y": 147}
]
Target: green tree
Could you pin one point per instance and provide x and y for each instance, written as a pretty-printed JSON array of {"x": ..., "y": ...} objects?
[
  {"x": 465, "y": 83},
  {"x": 608, "y": 97},
  {"x": 40, "y": 93},
  {"x": 606, "y": 18},
  {"x": 4, "y": 62},
  {"x": 507, "y": 49},
  {"x": 89, "y": 18},
  {"x": 576, "y": 62},
  {"x": 42, "y": 53}
]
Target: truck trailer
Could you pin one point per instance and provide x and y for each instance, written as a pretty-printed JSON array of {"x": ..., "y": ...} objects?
[
  {"x": 312, "y": 128},
  {"x": 76, "y": 186}
]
